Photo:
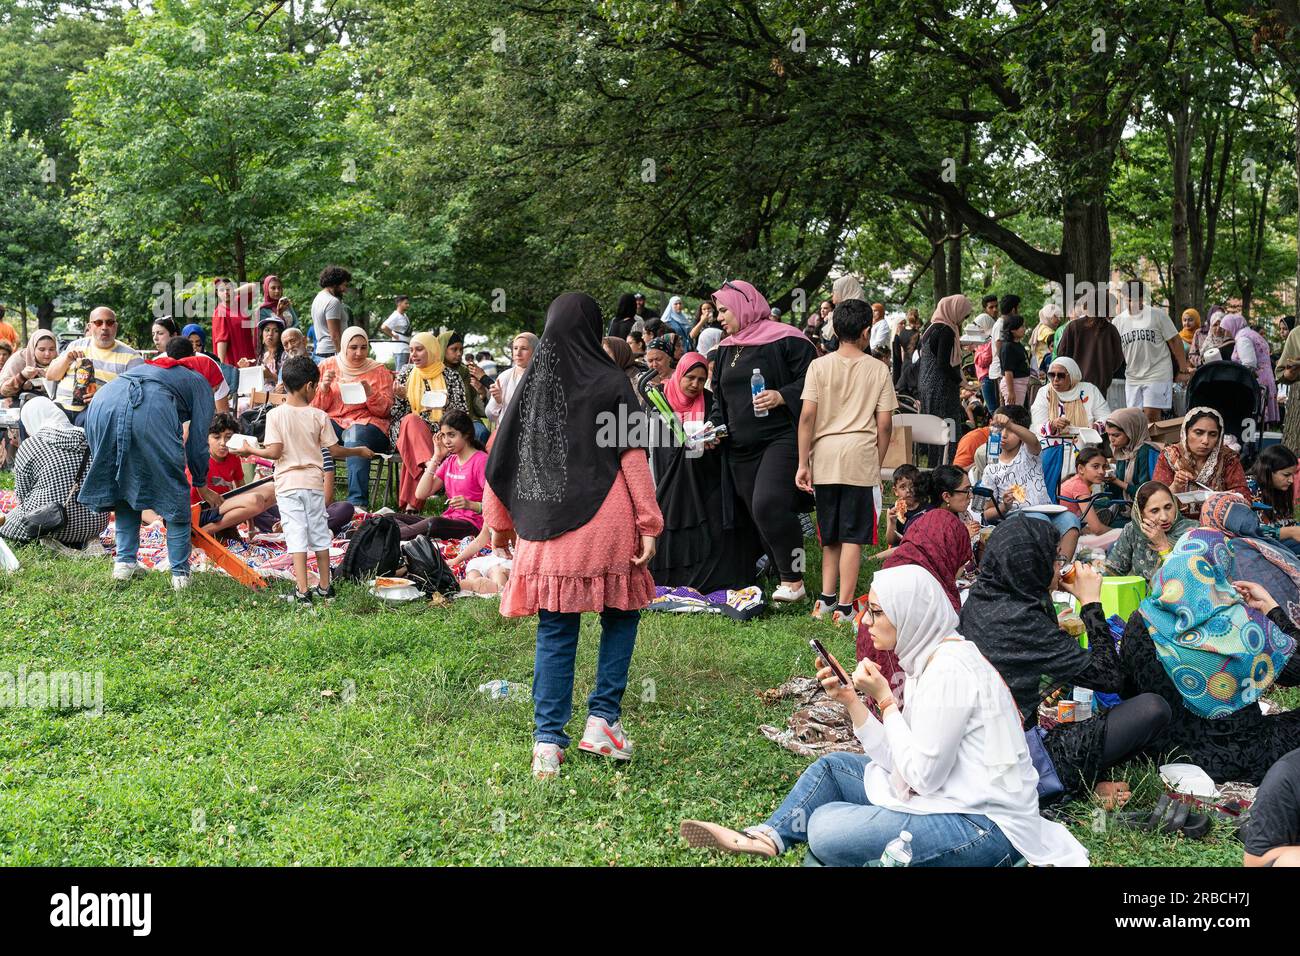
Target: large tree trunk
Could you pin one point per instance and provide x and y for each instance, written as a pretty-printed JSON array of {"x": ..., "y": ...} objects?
[
  {"x": 953, "y": 229},
  {"x": 1085, "y": 244},
  {"x": 1295, "y": 305},
  {"x": 1180, "y": 131}
]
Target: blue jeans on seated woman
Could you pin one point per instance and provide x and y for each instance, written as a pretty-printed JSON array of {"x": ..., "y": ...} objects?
[
  {"x": 828, "y": 809},
  {"x": 1063, "y": 522},
  {"x": 127, "y": 532},
  {"x": 359, "y": 468}
]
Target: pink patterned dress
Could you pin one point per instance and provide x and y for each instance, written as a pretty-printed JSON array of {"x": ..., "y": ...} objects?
[{"x": 589, "y": 568}]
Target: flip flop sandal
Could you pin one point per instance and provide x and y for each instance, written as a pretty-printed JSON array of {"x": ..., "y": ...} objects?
[{"x": 699, "y": 834}]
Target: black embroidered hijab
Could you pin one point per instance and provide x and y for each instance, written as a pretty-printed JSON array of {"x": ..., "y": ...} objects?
[
  {"x": 574, "y": 413},
  {"x": 1008, "y": 612}
]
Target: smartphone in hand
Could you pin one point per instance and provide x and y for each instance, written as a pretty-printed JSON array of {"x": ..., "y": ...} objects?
[{"x": 816, "y": 645}]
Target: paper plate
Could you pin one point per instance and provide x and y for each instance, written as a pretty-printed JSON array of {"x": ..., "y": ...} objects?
[
  {"x": 1044, "y": 509},
  {"x": 1192, "y": 497}
]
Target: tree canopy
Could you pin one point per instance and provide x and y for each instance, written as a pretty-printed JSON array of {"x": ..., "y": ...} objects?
[{"x": 483, "y": 155}]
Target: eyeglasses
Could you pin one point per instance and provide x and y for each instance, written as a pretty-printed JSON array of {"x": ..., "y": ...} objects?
[
  {"x": 1058, "y": 374},
  {"x": 961, "y": 491},
  {"x": 870, "y": 611},
  {"x": 99, "y": 322},
  {"x": 736, "y": 288}
]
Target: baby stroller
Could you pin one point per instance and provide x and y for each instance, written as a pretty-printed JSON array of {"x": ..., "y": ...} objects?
[{"x": 1234, "y": 392}]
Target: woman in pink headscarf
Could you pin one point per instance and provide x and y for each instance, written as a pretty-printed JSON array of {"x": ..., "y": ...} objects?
[
  {"x": 275, "y": 305},
  {"x": 761, "y": 449},
  {"x": 1251, "y": 350},
  {"x": 939, "y": 372}
]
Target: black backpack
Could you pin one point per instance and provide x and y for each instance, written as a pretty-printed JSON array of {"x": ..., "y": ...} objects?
[
  {"x": 426, "y": 567},
  {"x": 374, "y": 549},
  {"x": 253, "y": 422}
]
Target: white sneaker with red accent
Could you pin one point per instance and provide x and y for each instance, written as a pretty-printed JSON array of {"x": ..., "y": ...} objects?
[
  {"x": 605, "y": 740},
  {"x": 546, "y": 760}
]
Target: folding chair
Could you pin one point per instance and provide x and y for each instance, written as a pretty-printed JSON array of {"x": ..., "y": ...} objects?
[
  {"x": 929, "y": 430},
  {"x": 384, "y": 481}
]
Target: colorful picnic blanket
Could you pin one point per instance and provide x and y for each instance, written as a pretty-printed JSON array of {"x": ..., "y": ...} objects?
[
  {"x": 741, "y": 605},
  {"x": 265, "y": 554}
]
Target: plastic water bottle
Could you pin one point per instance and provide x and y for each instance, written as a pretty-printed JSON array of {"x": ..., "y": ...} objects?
[
  {"x": 501, "y": 689},
  {"x": 756, "y": 385},
  {"x": 899, "y": 851},
  {"x": 995, "y": 444}
]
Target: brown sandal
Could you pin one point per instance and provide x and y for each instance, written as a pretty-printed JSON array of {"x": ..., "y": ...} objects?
[{"x": 699, "y": 834}]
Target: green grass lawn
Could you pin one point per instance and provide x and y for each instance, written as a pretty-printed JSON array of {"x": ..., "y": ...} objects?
[{"x": 237, "y": 730}]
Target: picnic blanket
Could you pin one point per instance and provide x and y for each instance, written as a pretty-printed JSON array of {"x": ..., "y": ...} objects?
[
  {"x": 740, "y": 605},
  {"x": 265, "y": 553}
]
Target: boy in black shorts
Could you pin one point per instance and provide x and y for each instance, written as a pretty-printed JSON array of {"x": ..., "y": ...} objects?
[{"x": 847, "y": 416}]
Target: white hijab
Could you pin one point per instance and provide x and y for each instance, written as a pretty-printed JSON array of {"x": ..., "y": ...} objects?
[
  {"x": 1070, "y": 394},
  {"x": 41, "y": 413},
  {"x": 923, "y": 616}
]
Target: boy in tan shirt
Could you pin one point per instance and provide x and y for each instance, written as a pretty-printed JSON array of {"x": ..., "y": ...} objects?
[
  {"x": 847, "y": 416},
  {"x": 295, "y": 434}
]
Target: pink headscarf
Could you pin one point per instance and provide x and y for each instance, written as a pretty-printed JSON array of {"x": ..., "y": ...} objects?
[
  {"x": 756, "y": 326},
  {"x": 267, "y": 301},
  {"x": 690, "y": 409},
  {"x": 951, "y": 311},
  {"x": 1235, "y": 325}
]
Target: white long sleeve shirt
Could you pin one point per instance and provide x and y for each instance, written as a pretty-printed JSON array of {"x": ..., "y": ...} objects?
[{"x": 937, "y": 748}]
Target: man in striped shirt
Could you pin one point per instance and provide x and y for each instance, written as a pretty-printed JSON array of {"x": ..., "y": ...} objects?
[{"x": 90, "y": 363}]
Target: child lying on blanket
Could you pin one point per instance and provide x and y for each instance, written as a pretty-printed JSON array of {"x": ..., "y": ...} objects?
[{"x": 484, "y": 573}]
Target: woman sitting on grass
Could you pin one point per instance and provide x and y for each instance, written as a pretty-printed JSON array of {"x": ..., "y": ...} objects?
[
  {"x": 1212, "y": 645},
  {"x": 1272, "y": 484},
  {"x": 1009, "y": 614},
  {"x": 939, "y": 542},
  {"x": 1131, "y": 447},
  {"x": 1149, "y": 538},
  {"x": 951, "y": 767},
  {"x": 1201, "y": 461}
]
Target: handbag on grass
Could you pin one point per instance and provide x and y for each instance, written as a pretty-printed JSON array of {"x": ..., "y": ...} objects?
[{"x": 50, "y": 518}]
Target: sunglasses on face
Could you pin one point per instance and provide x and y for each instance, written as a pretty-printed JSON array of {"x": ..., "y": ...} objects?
[
  {"x": 1058, "y": 374},
  {"x": 736, "y": 288}
]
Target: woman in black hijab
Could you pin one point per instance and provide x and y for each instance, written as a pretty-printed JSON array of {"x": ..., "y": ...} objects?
[
  {"x": 624, "y": 318},
  {"x": 1010, "y": 617},
  {"x": 564, "y": 475}
]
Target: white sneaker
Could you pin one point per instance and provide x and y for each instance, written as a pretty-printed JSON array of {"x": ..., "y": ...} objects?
[
  {"x": 788, "y": 595},
  {"x": 125, "y": 572},
  {"x": 180, "y": 582},
  {"x": 605, "y": 740},
  {"x": 546, "y": 760}
]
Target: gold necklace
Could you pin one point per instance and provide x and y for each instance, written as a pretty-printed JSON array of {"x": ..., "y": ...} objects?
[{"x": 736, "y": 358}]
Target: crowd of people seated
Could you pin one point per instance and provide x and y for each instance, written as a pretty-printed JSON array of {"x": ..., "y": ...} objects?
[{"x": 1043, "y": 488}]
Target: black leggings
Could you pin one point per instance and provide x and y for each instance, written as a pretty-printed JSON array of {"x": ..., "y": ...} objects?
[
  {"x": 764, "y": 480},
  {"x": 411, "y": 526},
  {"x": 1133, "y": 725}
]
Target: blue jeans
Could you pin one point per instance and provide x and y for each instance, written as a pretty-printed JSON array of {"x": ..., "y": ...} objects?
[
  {"x": 557, "y": 650},
  {"x": 127, "y": 531},
  {"x": 356, "y": 436},
  {"x": 1063, "y": 522},
  {"x": 828, "y": 809},
  {"x": 989, "y": 392}
]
